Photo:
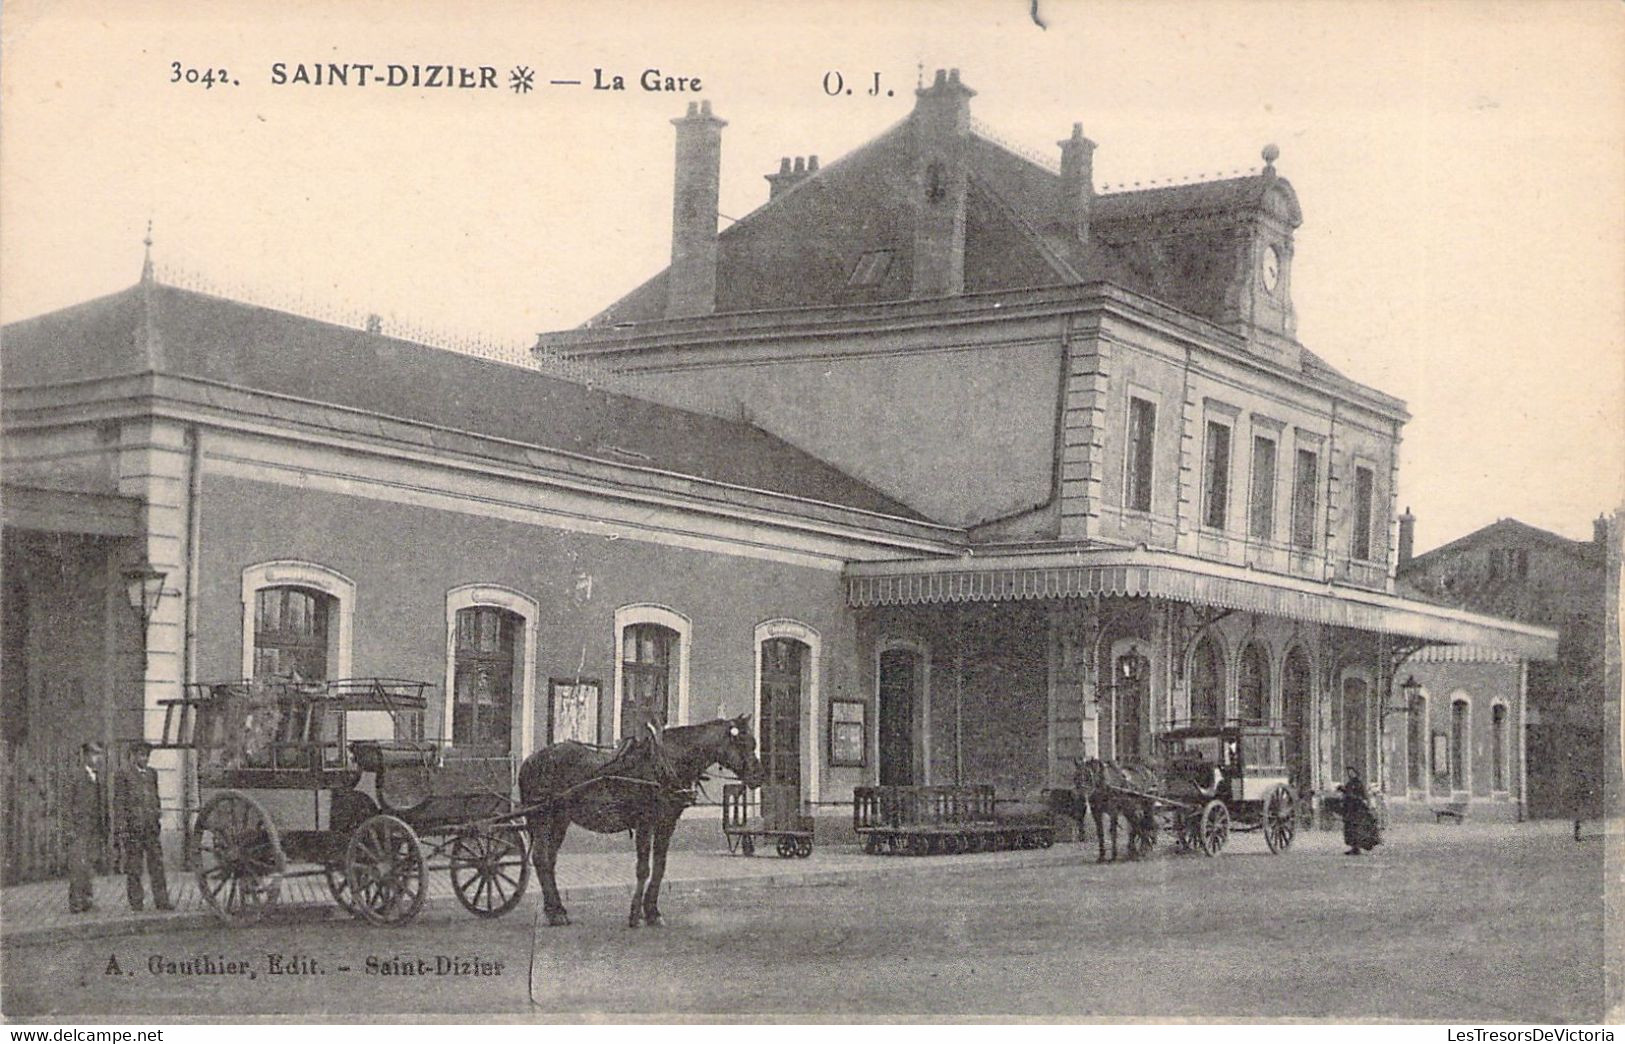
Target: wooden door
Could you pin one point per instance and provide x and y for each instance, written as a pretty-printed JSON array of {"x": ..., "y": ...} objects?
[
  {"x": 783, "y": 660},
  {"x": 899, "y": 690}
]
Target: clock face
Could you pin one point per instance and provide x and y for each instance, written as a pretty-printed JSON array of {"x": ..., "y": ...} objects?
[{"x": 1272, "y": 268}]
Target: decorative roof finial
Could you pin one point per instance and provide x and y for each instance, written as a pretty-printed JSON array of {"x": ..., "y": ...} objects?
[
  {"x": 1270, "y": 154},
  {"x": 146, "y": 261}
]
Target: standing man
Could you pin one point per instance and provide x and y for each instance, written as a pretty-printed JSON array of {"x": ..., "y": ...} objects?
[
  {"x": 85, "y": 823},
  {"x": 135, "y": 818}
]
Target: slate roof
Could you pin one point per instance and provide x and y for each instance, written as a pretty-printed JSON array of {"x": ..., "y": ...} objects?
[
  {"x": 800, "y": 249},
  {"x": 1509, "y": 532},
  {"x": 163, "y": 329}
]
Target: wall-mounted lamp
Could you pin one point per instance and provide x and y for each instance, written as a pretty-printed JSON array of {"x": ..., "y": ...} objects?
[
  {"x": 1412, "y": 689},
  {"x": 144, "y": 587}
]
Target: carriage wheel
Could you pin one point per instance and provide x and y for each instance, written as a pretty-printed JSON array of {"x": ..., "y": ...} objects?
[
  {"x": 239, "y": 858},
  {"x": 482, "y": 870},
  {"x": 339, "y": 884},
  {"x": 1215, "y": 827},
  {"x": 787, "y": 847},
  {"x": 1280, "y": 819},
  {"x": 804, "y": 848},
  {"x": 385, "y": 864}
]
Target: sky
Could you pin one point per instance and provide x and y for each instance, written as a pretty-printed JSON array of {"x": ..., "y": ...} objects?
[{"x": 1461, "y": 169}]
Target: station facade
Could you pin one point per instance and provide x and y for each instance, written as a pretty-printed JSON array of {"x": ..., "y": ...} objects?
[{"x": 942, "y": 464}]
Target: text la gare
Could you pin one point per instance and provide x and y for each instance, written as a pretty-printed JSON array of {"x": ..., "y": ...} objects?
[{"x": 650, "y": 80}]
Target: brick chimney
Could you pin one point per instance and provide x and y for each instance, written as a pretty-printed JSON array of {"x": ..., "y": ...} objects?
[
  {"x": 691, "y": 287},
  {"x": 1599, "y": 530},
  {"x": 941, "y": 128},
  {"x": 1076, "y": 189},
  {"x": 789, "y": 177},
  {"x": 1407, "y": 536}
]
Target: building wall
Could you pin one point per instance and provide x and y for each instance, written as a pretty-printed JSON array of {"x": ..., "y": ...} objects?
[
  {"x": 1482, "y": 685},
  {"x": 403, "y": 559},
  {"x": 897, "y": 408}
]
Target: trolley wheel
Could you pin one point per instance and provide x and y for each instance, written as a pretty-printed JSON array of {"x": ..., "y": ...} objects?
[
  {"x": 803, "y": 847},
  {"x": 482, "y": 872},
  {"x": 787, "y": 847},
  {"x": 871, "y": 844},
  {"x": 385, "y": 865},
  {"x": 339, "y": 884},
  {"x": 1280, "y": 819},
  {"x": 239, "y": 858},
  {"x": 747, "y": 844},
  {"x": 1215, "y": 827},
  {"x": 1046, "y": 839}
]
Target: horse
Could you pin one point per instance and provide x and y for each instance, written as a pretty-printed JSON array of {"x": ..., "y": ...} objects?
[
  {"x": 642, "y": 787},
  {"x": 1103, "y": 785}
]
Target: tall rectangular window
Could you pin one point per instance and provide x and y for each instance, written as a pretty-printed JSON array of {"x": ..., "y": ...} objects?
[
  {"x": 1142, "y": 428},
  {"x": 1498, "y": 742},
  {"x": 1261, "y": 517},
  {"x": 1458, "y": 745},
  {"x": 1362, "y": 513},
  {"x": 1216, "y": 476},
  {"x": 1305, "y": 498},
  {"x": 648, "y": 659}
]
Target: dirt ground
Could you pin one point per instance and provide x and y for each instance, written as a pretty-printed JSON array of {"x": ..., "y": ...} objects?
[{"x": 1479, "y": 923}]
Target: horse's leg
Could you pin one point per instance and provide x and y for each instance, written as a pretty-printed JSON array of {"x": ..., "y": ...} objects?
[
  {"x": 1116, "y": 817},
  {"x": 635, "y": 918},
  {"x": 1098, "y": 813},
  {"x": 664, "y": 827},
  {"x": 546, "y": 837}
]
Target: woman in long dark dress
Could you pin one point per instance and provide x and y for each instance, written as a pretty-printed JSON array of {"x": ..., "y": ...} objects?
[{"x": 1360, "y": 831}]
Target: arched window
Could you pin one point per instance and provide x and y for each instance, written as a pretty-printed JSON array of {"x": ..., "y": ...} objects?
[
  {"x": 291, "y": 632},
  {"x": 651, "y": 668},
  {"x": 1206, "y": 683},
  {"x": 1253, "y": 686},
  {"x": 1498, "y": 746},
  {"x": 1416, "y": 743},
  {"x": 1295, "y": 695},
  {"x": 488, "y": 646},
  {"x": 787, "y": 701},
  {"x": 296, "y": 621},
  {"x": 1460, "y": 716},
  {"x": 1356, "y": 721}
]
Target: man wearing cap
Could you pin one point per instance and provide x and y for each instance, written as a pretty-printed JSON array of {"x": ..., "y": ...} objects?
[
  {"x": 84, "y": 824},
  {"x": 135, "y": 819}
]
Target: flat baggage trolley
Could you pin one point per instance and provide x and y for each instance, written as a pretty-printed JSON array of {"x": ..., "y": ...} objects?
[{"x": 781, "y": 822}]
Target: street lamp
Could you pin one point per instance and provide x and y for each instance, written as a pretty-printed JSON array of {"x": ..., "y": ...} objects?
[{"x": 144, "y": 587}]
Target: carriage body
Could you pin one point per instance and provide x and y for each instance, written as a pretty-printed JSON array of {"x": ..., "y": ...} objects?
[{"x": 339, "y": 775}]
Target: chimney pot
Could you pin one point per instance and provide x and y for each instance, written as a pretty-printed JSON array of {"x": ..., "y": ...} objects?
[
  {"x": 812, "y": 164},
  {"x": 1407, "y": 536},
  {"x": 941, "y": 78},
  {"x": 801, "y": 164},
  {"x": 693, "y": 108},
  {"x": 1599, "y": 530},
  {"x": 784, "y": 165}
]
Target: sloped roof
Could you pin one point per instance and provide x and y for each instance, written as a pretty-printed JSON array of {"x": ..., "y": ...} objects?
[
  {"x": 157, "y": 328},
  {"x": 1508, "y": 532}
]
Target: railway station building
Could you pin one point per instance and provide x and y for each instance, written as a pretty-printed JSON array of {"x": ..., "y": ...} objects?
[{"x": 947, "y": 466}]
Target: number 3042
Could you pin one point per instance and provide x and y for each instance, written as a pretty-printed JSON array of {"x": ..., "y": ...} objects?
[{"x": 206, "y": 77}]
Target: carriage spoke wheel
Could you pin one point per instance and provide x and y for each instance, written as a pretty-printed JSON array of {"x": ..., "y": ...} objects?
[
  {"x": 1215, "y": 827},
  {"x": 338, "y": 883},
  {"x": 239, "y": 858},
  {"x": 488, "y": 870},
  {"x": 1280, "y": 819},
  {"x": 385, "y": 866},
  {"x": 787, "y": 847}
]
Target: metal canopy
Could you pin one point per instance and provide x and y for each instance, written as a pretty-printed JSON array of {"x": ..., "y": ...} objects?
[{"x": 1155, "y": 574}]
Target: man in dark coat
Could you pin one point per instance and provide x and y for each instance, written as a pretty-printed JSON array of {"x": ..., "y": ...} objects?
[
  {"x": 84, "y": 825},
  {"x": 135, "y": 819},
  {"x": 1360, "y": 831}
]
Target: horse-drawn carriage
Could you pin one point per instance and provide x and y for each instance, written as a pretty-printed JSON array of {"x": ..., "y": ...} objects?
[
  {"x": 339, "y": 777},
  {"x": 1209, "y": 781}
]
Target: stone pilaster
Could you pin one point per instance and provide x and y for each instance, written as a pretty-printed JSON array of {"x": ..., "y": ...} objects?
[{"x": 1083, "y": 436}]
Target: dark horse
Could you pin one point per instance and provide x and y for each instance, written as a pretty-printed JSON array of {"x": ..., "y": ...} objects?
[
  {"x": 641, "y": 786},
  {"x": 1104, "y": 784}
]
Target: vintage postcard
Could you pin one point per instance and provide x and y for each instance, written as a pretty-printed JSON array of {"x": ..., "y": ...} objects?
[{"x": 856, "y": 511}]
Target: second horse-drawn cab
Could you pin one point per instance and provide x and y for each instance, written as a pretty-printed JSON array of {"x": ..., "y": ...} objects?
[{"x": 1238, "y": 776}]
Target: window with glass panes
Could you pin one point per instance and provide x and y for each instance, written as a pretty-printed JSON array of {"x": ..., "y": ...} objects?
[
  {"x": 1216, "y": 476},
  {"x": 1305, "y": 498},
  {"x": 1458, "y": 745},
  {"x": 1261, "y": 513},
  {"x": 1498, "y": 745},
  {"x": 1142, "y": 429},
  {"x": 1363, "y": 484},
  {"x": 290, "y": 632},
  {"x": 1207, "y": 684},
  {"x": 1416, "y": 741},
  {"x": 482, "y": 703},
  {"x": 1253, "y": 686},
  {"x": 648, "y": 661},
  {"x": 783, "y": 660}
]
